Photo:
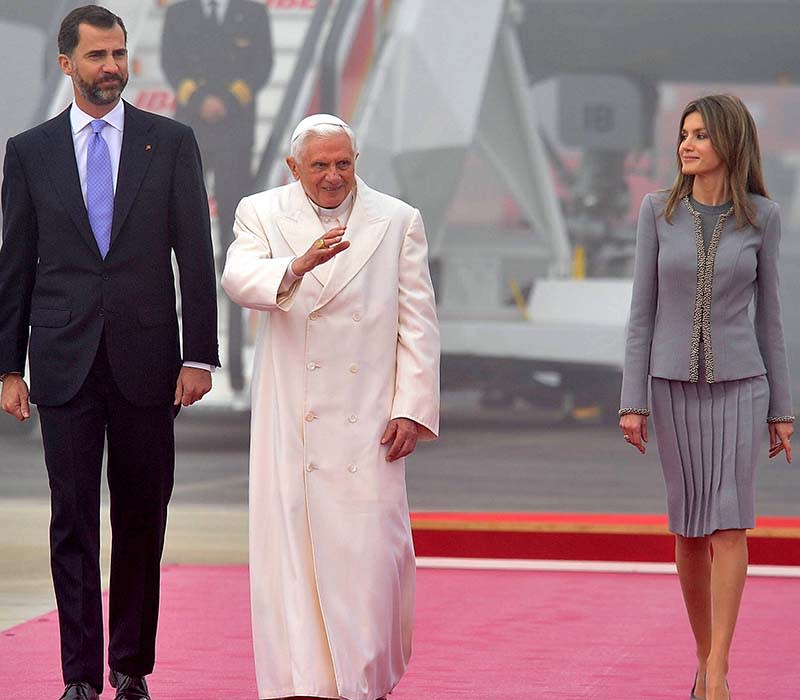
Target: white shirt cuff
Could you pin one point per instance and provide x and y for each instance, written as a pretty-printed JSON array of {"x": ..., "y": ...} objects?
[
  {"x": 200, "y": 365},
  {"x": 289, "y": 278}
]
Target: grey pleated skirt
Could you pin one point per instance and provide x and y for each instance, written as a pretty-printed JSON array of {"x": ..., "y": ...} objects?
[{"x": 710, "y": 438}]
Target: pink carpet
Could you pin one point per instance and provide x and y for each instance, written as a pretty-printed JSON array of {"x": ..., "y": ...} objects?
[{"x": 479, "y": 634}]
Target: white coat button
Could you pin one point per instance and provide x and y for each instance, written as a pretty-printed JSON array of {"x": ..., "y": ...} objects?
[
  {"x": 310, "y": 416},
  {"x": 310, "y": 467},
  {"x": 353, "y": 418},
  {"x": 312, "y": 366},
  {"x": 352, "y": 468},
  {"x": 356, "y": 317},
  {"x": 354, "y": 368},
  {"x": 313, "y": 315}
]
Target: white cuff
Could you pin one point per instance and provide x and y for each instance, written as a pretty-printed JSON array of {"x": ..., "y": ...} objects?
[
  {"x": 289, "y": 278},
  {"x": 201, "y": 365}
]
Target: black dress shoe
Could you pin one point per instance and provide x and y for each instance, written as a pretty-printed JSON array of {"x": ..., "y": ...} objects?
[
  {"x": 79, "y": 691},
  {"x": 128, "y": 687}
]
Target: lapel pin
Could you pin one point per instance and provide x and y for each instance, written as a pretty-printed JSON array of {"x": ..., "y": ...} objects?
[{"x": 148, "y": 147}]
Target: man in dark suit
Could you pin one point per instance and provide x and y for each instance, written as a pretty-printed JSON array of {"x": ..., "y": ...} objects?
[
  {"x": 217, "y": 55},
  {"x": 95, "y": 201}
]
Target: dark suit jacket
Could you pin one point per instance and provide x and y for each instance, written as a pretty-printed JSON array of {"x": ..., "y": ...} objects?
[
  {"x": 53, "y": 279},
  {"x": 232, "y": 61}
]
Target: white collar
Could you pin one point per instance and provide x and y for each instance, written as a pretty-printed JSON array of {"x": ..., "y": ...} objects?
[
  {"x": 79, "y": 120},
  {"x": 343, "y": 210}
]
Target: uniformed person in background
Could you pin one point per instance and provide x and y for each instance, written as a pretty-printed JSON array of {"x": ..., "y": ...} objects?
[{"x": 217, "y": 55}]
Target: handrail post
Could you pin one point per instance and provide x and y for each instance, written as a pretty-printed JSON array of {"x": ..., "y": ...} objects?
[
  {"x": 293, "y": 89},
  {"x": 52, "y": 76},
  {"x": 330, "y": 75}
]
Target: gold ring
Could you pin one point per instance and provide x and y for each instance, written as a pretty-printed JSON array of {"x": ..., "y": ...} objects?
[{"x": 320, "y": 243}]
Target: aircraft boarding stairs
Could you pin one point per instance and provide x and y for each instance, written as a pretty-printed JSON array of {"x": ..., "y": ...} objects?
[{"x": 452, "y": 126}]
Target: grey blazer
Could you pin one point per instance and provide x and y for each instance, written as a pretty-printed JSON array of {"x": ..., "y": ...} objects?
[{"x": 682, "y": 294}]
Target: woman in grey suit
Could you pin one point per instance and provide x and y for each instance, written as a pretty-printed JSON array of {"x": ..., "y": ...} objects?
[{"x": 706, "y": 253}]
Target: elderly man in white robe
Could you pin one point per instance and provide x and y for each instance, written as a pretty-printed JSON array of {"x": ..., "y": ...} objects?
[{"x": 345, "y": 382}]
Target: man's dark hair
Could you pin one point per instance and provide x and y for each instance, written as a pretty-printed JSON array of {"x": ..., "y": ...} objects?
[{"x": 96, "y": 16}]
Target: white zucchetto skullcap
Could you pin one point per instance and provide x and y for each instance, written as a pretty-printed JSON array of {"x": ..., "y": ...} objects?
[{"x": 315, "y": 120}]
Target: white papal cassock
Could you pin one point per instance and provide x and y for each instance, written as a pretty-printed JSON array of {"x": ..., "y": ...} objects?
[{"x": 350, "y": 346}]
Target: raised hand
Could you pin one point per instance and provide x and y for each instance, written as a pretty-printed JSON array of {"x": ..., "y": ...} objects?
[{"x": 321, "y": 250}]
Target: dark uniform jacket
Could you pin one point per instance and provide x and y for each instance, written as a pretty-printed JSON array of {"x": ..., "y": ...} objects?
[{"x": 231, "y": 60}]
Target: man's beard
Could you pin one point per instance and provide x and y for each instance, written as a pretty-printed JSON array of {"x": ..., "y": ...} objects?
[{"x": 97, "y": 95}]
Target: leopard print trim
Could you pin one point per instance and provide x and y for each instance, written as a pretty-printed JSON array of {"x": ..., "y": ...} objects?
[
  {"x": 780, "y": 419},
  {"x": 637, "y": 411},
  {"x": 701, "y": 323}
]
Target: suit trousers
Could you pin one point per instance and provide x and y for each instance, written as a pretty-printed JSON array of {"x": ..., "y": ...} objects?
[{"x": 140, "y": 473}]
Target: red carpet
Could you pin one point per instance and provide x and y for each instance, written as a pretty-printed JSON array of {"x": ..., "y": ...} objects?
[
  {"x": 583, "y": 537},
  {"x": 487, "y": 635}
]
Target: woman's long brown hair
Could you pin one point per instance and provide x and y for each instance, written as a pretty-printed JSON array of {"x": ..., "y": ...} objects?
[{"x": 734, "y": 138}]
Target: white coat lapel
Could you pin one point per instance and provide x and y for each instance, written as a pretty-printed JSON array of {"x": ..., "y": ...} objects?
[
  {"x": 300, "y": 227},
  {"x": 365, "y": 231}
]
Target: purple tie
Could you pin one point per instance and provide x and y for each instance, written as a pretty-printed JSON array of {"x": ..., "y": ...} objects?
[{"x": 99, "y": 187}]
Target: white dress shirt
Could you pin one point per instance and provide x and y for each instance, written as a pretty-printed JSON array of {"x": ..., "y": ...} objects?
[
  {"x": 222, "y": 8},
  {"x": 81, "y": 131}
]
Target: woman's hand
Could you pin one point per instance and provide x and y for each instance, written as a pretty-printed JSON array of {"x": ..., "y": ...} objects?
[
  {"x": 634, "y": 430},
  {"x": 780, "y": 435}
]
